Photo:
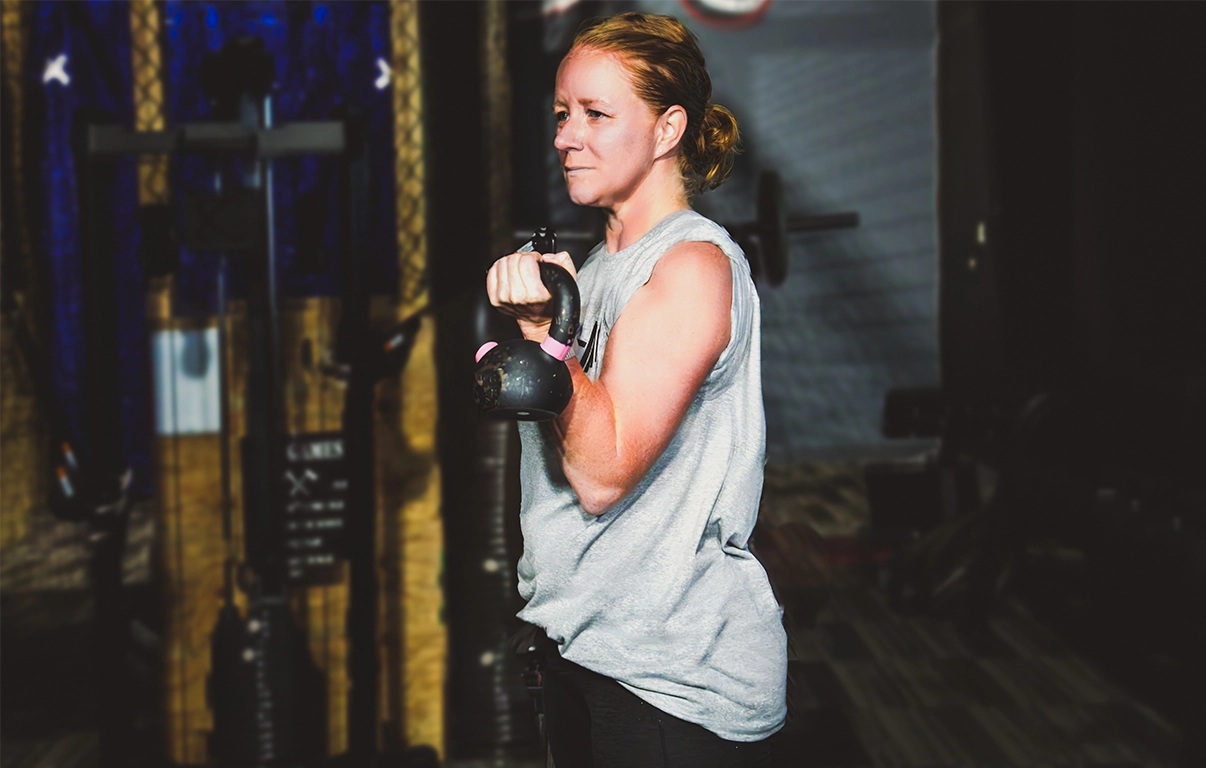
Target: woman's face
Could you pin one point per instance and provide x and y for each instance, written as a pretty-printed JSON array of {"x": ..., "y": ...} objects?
[{"x": 605, "y": 133}]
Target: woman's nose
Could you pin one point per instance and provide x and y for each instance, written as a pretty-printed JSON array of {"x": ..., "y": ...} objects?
[{"x": 567, "y": 136}]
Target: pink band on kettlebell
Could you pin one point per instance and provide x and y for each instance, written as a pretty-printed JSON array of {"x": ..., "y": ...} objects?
[
  {"x": 483, "y": 349},
  {"x": 555, "y": 348}
]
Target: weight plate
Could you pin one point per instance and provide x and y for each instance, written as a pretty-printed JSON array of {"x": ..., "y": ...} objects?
[{"x": 772, "y": 227}]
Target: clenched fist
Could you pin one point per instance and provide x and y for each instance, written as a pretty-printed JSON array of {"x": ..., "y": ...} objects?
[{"x": 514, "y": 286}]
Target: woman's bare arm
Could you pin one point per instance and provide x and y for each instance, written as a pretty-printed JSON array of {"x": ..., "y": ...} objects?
[{"x": 662, "y": 348}]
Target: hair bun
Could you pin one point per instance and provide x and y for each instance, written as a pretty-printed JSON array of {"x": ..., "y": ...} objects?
[{"x": 718, "y": 144}]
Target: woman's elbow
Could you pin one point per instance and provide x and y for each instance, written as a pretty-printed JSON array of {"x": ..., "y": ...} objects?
[
  {"x": 597, "y": 500},
  {"x": 601, "y": 486}
]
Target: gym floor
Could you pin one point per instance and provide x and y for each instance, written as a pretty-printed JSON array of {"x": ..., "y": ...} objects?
[
  {"x": 867, "y": 686},
  {"x": 871, "y": 687}
]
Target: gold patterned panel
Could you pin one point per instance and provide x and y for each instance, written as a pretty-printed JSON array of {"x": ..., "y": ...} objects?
[
  {"x": 23, "y": 476},
  {"x": 23, "y": 470},
  {"x": 412, "y": 696},
  {"x": 189, "y": 552},
  {"x": 314, "y": 403},
  {"x": 12, "y": 30},
  {"x": 410, "y": 550},
  {"x": 146, "y": 58},
  {"x": 189, "y": 559},
  {"x": 408, "y": 149}
]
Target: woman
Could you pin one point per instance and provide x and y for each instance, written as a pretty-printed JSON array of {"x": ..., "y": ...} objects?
[{"x": 638, "y": 501}]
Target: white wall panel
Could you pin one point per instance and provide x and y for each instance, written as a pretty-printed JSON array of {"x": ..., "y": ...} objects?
[{"x": 187, "y": 399}]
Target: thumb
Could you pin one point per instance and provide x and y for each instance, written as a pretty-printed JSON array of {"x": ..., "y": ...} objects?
[{"x": 563, "y": 260}]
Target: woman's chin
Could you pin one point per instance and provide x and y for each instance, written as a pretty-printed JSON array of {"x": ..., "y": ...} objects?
[{"x": 583, "y": 197}]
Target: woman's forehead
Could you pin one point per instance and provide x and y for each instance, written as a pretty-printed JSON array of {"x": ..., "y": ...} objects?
[{"x": 593, "y": 70}]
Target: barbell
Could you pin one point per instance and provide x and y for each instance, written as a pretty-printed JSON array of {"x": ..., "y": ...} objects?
[{"x": 764, "y": 240}]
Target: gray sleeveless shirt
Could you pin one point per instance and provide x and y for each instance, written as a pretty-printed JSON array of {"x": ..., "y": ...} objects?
[{"x": 661, "y": 593}]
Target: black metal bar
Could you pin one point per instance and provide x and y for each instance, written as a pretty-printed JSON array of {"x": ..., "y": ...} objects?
[
  {"x": 823, "y": 221},
  {"x": 224, "y": 431},
  {"x": 355, "y": 350},
  {"x": 102, "y": 391},
  {"x": 96, "y": 179},
  {"x": 262, "y": 444},
  {"x": 268, "y": 697}
]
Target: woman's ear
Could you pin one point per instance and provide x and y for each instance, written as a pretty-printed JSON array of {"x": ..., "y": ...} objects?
[{"x": 671, "y": 127}]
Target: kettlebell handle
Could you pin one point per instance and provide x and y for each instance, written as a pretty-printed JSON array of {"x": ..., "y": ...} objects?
[
  {"x": 520, "y": 379},
  {"x": 566, "y": 308}
]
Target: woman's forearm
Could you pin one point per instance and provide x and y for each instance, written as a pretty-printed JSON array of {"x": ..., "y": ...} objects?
[
  {"x": 587, "y": 432},
  {"x": 591, "y": 455}
]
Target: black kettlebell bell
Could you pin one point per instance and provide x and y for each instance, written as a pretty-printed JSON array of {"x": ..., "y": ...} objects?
[{"x": 520, "y": 379}]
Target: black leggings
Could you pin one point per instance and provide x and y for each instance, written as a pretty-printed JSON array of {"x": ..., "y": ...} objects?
[{"x": 594, "y": 722}]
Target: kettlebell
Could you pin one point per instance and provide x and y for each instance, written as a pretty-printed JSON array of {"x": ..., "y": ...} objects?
[{"x": 520, "y": 379}]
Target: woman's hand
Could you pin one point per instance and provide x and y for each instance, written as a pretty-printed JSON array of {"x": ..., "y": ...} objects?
[{"x": 515, "y": 288}]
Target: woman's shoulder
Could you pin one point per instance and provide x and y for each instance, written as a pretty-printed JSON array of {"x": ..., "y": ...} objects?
[
  {"x": 693, "y": 270},
  {"x": 682, "y": 226},
  {"x": 692, "y": 226},
  {"x": 689, "y": 221}
]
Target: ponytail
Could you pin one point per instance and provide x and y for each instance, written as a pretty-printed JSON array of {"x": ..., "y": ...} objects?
[{"x": 716, "y": 146}]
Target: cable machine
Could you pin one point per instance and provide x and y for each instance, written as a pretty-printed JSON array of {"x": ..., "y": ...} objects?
[{"x": 308, "y": 499}]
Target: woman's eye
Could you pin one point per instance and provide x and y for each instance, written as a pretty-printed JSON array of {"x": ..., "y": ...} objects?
[
  {"x": 561, "y": 116},
  {"x": 594, "y": 114}
]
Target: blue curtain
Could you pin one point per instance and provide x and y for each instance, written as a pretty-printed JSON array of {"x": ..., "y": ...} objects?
[
  {"x": 326, "y": 58},
  {"x": 86, "y": 49}
]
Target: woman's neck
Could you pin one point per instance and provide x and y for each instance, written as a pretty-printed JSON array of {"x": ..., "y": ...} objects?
[{"x": 632, "y": 219}]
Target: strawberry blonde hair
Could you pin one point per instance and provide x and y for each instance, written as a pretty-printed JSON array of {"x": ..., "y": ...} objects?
[{"x": 667, "y": 69}]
